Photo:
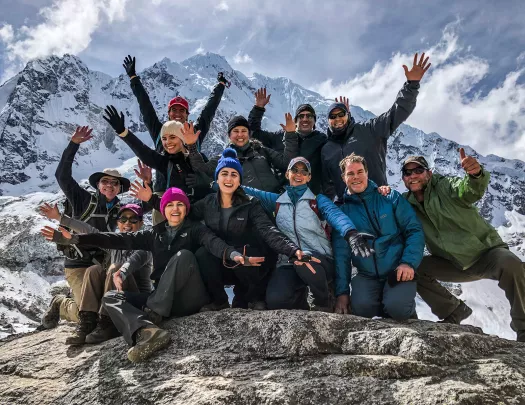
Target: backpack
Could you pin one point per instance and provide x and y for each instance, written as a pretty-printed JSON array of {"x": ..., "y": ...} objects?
[{"x": 313, "y": 205}]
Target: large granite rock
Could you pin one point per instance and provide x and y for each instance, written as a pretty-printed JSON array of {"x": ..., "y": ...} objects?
[{"x": 271, "y": 357}]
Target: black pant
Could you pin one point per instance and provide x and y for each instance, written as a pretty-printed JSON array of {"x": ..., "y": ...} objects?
[
  {"x": 180, "y": 292},
  {"x": 287, "y": 288},
  {"x": 250, "y": 282}
]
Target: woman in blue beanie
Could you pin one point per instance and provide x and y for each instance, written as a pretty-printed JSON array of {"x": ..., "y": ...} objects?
[{"x": 240, "y": 221}]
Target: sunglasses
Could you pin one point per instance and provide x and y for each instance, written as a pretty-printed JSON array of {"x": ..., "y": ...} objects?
[
  {"x": 302, "y": 172},
  {"x": 417, "y": 170},
  {"x": 113, "y": 182},
  {"x": 340, "y": 114},
  {"x": 132, "y": 220},
  {"x": 305, "y": 116}
]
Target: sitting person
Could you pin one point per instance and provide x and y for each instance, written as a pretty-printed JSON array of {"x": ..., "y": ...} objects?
[
  {"x": 178, "y": 287},
  {"x": 302, "y": 217},
  {"x": 174, "y": 164},
  {"x": 463, "y": 246},
  {"x": 384, "y": 284},
  {"x": 98, "y": 209},
  {"x": 259, "y": 163},
  {"x": 97, "y": 281}
]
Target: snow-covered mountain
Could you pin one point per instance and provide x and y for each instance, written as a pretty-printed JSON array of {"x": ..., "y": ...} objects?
[{"x": 41, "y": 106}]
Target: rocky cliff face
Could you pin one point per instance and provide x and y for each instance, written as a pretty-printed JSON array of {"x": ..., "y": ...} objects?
[{"x": 271, "y": 357}]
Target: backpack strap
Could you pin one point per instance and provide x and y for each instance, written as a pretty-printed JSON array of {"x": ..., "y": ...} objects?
[
  {"x": 88, "y": 213},
  {"x": 170, "y": 168},
  {"x": 326, "y": 227},
  {"x": 277, "y": 206}
]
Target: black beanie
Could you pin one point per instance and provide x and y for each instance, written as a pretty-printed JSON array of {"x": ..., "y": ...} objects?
[
  {"x": 305, "y": 107},
  {"x": 237, "y": 121}
]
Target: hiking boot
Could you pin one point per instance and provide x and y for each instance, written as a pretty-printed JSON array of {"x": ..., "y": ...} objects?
[
  {"x": 461, "y": 313},
  {"x": 87, "y": 322},
  {"x": 214, "y": 307},
  {"x": 520, "y": 336},
  {"x": 149, "y": 339},
  {"x": 105, "y": 330},
  {"x": 153, "y": 316},
  {"x": 52, "y": 315},
  {"x": 257, "y": 305}
]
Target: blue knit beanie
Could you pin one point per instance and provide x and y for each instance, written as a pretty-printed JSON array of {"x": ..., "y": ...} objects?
[{"x": 228, "y": 159}]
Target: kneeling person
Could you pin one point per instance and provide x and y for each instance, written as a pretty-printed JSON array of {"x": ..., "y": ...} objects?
[{"x": 384, "y": 284}]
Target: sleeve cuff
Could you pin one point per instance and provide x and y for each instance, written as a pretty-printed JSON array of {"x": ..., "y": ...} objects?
[{"x": 123, "y": 134}]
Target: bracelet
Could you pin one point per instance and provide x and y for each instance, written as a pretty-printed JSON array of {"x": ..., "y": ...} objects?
[{"x": 123, "y": 134}]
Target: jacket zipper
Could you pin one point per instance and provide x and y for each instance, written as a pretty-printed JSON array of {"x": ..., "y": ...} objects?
[
  {"x": 376, "y": 231},
  {"x": 295, "y": 227}
]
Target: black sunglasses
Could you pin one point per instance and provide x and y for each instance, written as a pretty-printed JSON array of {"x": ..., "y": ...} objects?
[
  {"x": 132, "y": 220},
  {"x": 416, "y": 170},
  {"x": 302, "y": 172},
  {"x": 306, "y": 116},
  {"x": 340, "y": 114}
]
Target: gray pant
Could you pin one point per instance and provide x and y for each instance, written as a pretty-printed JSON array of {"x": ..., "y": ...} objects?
[
  {"x": 498, "y": 264},
  {"x": 179, "y": 292}
]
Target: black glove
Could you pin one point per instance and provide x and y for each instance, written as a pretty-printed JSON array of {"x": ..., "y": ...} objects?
[
  {"x": 198, "y": 180},
  {"x": 129, "y": 65},
  {"x": 358, "y": 243},
  {"x": 116, "y": 121},
  {"x": 222, "y": 79}
]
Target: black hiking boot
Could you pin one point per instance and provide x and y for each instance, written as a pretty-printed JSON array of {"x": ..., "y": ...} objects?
[
  {"x": 214, "y": 307},
  {"x": 51, "y": 317},
  {"x": 105, "y": 330},
  {"x": 239, "y": 303},
  {"x": 153, "y": 316},
  {"x": 149, "y": 339},
  {"x": 257, "y": 305},
  {"x": 87, "y": 322},
  {"x": 462, "y": 312},
  {"x": 520, "y": 336}
]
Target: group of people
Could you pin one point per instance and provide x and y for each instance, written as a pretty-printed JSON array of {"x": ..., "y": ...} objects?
[{"x": 282, "y": 216}]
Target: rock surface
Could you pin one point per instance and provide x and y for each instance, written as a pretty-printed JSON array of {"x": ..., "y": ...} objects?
[{"x": 271, "y": 357}]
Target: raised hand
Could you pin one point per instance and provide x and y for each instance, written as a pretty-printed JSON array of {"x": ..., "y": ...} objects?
[
  {"x": 188, "y": 132},
  {"x": 117, "y": 280},
  {"x": 60, "y": 236},
  {"x": 129, "y": 65},
  {"x": 114, "y": 119},
  {"x": 260, "y": 97},
  {"x": 248, "y": 261},
  {"x": 140, "y": 192},
  {"x": 358, "y": 243},
  {"x": 50, "y": 212},
  {"x": 290, "y": 123},
  {"x": 418, "y": 68},
  {"x": 342, "y": 305},
  {"x": 383, "y": 190},
  {"x": 82, "y": 134},
  {"x": 469, "y": 163},
  {"x": 404, "y": 272},
  {"x": 144, "y": 172},
  {"x": 343, "y": 100}
]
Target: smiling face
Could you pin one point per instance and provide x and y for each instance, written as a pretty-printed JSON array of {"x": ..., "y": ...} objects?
[
  {"x": 239, "y": 136},
  {"x": 175, "y": 212},
  {"x": 298, "y": 175},
  {"x": 171, "y": 143},
  {"x": 335, "y": 120},
  {"x": 305, "y": 122},
  {"x": 129, "y": 222},
  {"x": 355, "y": 177},
  {"x": 178, "y": 113},
  {"x": 109, "y": 187},
  {"x": 416, "y": 177},
  {"x": 228, "y": 180}
]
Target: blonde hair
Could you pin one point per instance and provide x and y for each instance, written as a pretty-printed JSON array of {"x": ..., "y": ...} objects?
[
  {"x": 172, "y": 127},
  {"x": 352, "y": 158}
]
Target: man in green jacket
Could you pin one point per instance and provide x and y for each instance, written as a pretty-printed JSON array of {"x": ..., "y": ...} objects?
[{"x": 463, "y": 246}]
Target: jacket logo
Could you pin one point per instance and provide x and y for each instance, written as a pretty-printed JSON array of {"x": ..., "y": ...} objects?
[
  {"x": 183, "y": 235},
  {"x": 240, "y": 219},
  {"x": 383, "y": 216}
]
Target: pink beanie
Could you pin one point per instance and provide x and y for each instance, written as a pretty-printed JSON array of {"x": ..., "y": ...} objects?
[{"x": 174, "y": 194}]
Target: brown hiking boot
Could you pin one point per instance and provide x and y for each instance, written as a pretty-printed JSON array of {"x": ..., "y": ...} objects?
[
  {"x": 462, "y": 312},
  {"x": 149, "y": 340},
  {"x": 214, "y": 307},
  {"x": 51, "y": 317},
  {"x": 153, "y": 316},
  {"x": 105, "y": 330},
  {"x": 87, "y": 322},
  {"x": 520, "y": 336}
]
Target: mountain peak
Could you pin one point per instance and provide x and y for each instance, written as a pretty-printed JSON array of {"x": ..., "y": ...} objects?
[{"x": 207, "y": 62}]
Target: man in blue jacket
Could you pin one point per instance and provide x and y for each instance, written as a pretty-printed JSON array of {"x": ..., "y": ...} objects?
[{"x": 384, "y": 284}]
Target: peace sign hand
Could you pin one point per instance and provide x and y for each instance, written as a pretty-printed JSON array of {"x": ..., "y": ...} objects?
[{"x": 418, "y": 68}]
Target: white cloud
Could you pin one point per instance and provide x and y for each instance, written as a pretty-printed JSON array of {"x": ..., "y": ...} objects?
[
  {"x": 490, "y": 123},
  {"x": 241, "y": 58},
  {"x": 67, "y": 27},
  {"x": 222, "y": 6},
  {"x": 200, "y": 50}
]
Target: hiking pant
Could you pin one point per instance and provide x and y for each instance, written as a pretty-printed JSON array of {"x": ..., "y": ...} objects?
[
  {"x": 374, "y": 297},
  {"x": 96, "y": 283},
  {"x": 498, "y": 264},
  {"x": 287, "y": 288},
  {"x": 249, "y": 281},
  {"x": 179, "y": 292},
  {"x": 69, "y": 306}
]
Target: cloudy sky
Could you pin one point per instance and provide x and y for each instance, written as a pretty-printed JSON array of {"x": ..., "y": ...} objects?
[{"x": 474, "y": 92}]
